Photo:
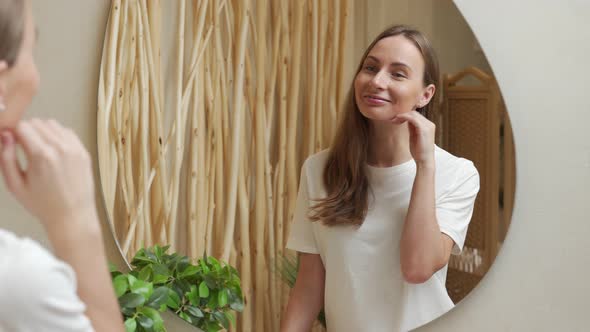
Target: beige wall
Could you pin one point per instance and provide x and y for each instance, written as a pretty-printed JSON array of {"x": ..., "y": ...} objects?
[
  {"x": 539, "y": 280},
  {"x": 68, "y": 58}
]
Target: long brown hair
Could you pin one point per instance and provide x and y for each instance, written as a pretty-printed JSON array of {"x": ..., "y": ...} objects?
[
  {"x": 344, "y": 175},
  {"x": 12, "y": 29}
]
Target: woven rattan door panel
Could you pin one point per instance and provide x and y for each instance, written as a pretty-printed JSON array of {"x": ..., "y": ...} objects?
[{"x": 471, "y": 129}]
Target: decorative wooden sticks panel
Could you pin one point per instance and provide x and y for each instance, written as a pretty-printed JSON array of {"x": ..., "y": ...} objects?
[{"x": 205, "y": 154}]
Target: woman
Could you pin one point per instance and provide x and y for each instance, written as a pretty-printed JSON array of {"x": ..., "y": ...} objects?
[
  {"x": 379, "y": 213},
  {"x": 70, "y": 291}
]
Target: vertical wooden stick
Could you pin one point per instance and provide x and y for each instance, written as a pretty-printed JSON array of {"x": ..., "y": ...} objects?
[{"x": 238, "y": 109}]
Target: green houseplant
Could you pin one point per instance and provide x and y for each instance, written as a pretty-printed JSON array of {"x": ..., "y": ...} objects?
[{"x": 205, "y": 294}]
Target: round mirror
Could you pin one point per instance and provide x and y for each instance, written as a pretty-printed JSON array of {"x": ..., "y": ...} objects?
[{"x": 208, "y": 111}]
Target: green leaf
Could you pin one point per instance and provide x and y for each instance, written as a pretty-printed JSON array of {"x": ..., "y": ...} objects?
[
  {"x": 237, "y": 290},
  {"x": 140, "y": 253},
  {"x": 141, "y": 259},
  {"x": 181, "y": 286},
  {"x": 215, "y": 263},
  {"x": 190, "y": 270},
  {"x": 203, "y": 290},
  {"x": 222, "y": 298},
  {"x": 130, "y": 325},
  {"x": 154, "y": 316},
  {"x": 145, "y": 322},
  {"x": 158, "y": 251},
  {"x": 120, "y": 284},
  {"x": 146, "y": 273},
  {"x": 195, "y": 311},
  {"x": 131, "y": 300},
  {"x": 132, "y": 279},
  {"x": 160, "y": 279},
  {"x": 143, "y": 288},
  {"x": 173, "y": 301},
  {"x": 159, "y": 297},
  {"x": 197, "y": 322},
  {"x": 184, "y": 316},
  {"x": 237, "y": 306},
  {"x": 181, "y": 263},
  {"x": 211, "y": 280},
  {"x": 161, "y": 269},
  {"x": 212, "y": 327},
  {"x": 212, "y": 301},
  {"x": 193, "y": 295},
  {"x": 127, "y": 312},
  {"x": 220, "y": 317},
  {"x": 151, "y": 256},
  {"x": 230, "y": 316},
  {"x": 204, "y": 266},
  {"x": 161, "y": 274}
]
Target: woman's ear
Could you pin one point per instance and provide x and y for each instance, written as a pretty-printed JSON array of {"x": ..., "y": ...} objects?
[{"x": 426, "y": 96}]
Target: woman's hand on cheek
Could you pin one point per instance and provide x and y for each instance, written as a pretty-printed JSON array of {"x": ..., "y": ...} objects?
[
  {"x": 422, "y": 133},
  {"x": 57, "y": 183}
]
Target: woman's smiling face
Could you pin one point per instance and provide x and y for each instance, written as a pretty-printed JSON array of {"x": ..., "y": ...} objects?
[{"x": 391, "y": 80}]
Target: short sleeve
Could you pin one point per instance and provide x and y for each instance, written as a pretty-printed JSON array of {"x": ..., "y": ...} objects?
[
  {"x": 301, "y": 236},
  {"x": 38, "y": 292},
  {"x": 455, "y": 209}
]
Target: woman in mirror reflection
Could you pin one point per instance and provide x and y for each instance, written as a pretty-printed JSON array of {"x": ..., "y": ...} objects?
[
  {"x": 71, "y": 289},
  {"x": 379, "y": 213}
]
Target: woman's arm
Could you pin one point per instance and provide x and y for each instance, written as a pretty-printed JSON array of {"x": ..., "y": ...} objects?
[
  {"x": 424, "y": 249},
  {"x": 307, "y": 296},
  {"x": 77, "y": 240}
]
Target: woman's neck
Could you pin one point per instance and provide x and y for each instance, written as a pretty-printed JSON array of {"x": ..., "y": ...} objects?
[{"x": 389, "y": 144}]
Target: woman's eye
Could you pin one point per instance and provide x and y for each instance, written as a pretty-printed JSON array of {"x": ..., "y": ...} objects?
[
  {"x": 398, "y": 75},
  {"x": 371, "y": 68}
]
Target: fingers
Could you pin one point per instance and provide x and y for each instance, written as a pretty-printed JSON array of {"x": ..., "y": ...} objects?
[
  {"x": 29, "y": 138},
  {"x": 67, "y": 135},
  {"x": 49, "y": 133},
  {"x": 56, "y": 127},
  {"x": 9, "y": 166},
  {"x": 414, "y": 118},
  {"x": 406, "y": 117}
]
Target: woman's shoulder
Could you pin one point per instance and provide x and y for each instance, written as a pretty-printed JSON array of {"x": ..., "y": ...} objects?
[
  {"x": 22, "y": 251},
  {"x": 318, "y": 158},
  {"x": 314, "y": 164},
  {"x": 451, "y": 166},
  {"x": 29, "y": 273}
]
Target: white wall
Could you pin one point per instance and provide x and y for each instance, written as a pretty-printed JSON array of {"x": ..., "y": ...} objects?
[{"x": 539, "y": 51}]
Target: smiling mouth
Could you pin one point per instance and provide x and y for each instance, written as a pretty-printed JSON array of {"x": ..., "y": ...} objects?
[{"x": 376, "y": 98}]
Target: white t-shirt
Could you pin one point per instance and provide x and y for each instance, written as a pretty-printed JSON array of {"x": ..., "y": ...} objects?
[
  {"x": 37, "y": 291},
  {"x": 364, "y": 288}
]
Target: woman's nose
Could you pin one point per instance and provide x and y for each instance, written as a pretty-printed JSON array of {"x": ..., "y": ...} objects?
[{"x": 379, "y": 80}]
